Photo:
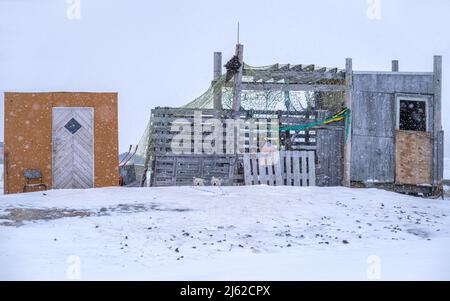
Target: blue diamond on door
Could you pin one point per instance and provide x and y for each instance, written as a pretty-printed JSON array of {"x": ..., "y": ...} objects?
[{"x": 72, "y": 126}]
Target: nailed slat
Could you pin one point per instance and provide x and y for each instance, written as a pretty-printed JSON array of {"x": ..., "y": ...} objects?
[
  {"x": 296, "y": 168},
  {"x": 311, "y": 169}
]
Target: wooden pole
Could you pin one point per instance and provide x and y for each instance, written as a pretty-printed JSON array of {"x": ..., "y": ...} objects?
[
  {"x": 217, "y": 65},
  {"x": 346, "y": 180},
  {"x": 216, "y": 75},
  {"x": 238, "y": 79},
  {"x": 437, "y": 122},
  {"x": 395, "y": 66}
]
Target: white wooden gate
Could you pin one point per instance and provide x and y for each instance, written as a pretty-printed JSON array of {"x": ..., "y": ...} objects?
[
  {"x": 291, "y": 168},
  {"x": 73, "y": 148}
]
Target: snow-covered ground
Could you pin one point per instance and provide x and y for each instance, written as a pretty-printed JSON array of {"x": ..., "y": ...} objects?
[{"x": 223, "y": 233}]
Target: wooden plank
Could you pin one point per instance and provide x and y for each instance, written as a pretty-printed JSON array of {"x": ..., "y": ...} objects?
[
  {"x": 277, "y": 168},
  {"x": 255, "y": 169},
  {"x": 265, "y": 86},
  {"x": 296, "y": 168},
  {"x": 304, "y": 174},
  {"x": 395, "y": 66},
  {"x": 247, "y": 170},
  {"x": 262, "y": 169},
  {"x": 329, "y": 157},
  {"x": 438, "y": 160},
  {"x": 348, "y": 103},
  {"x": 289, "y": 163},
  {"x": 311, "y": 169},
  {"x": 238, "y": 79},
  {"x": 283, "y": 167}
]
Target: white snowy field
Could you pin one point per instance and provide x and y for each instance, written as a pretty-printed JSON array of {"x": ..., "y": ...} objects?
[{"x": 223, "y": 233}]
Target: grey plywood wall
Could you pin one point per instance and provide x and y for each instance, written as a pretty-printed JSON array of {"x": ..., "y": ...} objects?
[{"x": 374, "y": 120}]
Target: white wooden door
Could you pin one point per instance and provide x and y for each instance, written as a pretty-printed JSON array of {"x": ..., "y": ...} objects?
[{"x": 73, "y": 148}]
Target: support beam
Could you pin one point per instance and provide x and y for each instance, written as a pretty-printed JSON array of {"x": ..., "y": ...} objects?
[
  {"x": 217, "y": 65},
  {"x": 216, "y": 75},
  {"x": 264, "y": 86},
  {"x": 438, "y": 159},
  {"x": 238, "y": 79},
  {"x": 346, "y": 181},
  {"x": 395, "y": 66}
]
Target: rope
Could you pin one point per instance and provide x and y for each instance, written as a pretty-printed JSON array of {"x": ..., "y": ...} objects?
[{"x": 341, "y": 115}]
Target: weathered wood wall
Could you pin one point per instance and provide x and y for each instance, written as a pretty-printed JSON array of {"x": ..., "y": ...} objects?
[
  {"x": 374, "y": 120},
  {"x": 326, "y": 141},
  {"x": 162, "y": 120},
  {"x": 180, "y": 170},
  {"x": 329, "y": 156}
]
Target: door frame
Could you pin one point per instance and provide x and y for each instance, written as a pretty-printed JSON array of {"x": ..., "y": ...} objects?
[{"x": 93, "y": 139}]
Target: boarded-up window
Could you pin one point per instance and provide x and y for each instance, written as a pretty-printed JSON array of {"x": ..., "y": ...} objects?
[{"x": 413, "y": 115}]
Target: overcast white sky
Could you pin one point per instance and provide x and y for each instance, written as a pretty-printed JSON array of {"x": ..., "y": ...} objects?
[{"x": 159, "y": 53}]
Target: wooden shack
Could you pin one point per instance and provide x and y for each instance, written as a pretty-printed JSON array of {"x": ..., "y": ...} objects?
[
  {"x": 391, "y": 135},
  {"x": 71, "y": 139}
]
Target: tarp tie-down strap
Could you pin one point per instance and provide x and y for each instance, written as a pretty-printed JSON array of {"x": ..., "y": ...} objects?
[{"x": 341, "y": 115}]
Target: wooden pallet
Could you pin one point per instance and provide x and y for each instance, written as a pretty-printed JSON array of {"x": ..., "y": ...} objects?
[{"x": 291, "y": 168}]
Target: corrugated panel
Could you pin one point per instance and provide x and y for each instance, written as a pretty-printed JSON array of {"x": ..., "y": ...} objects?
[{"x": 413, "y": 158}]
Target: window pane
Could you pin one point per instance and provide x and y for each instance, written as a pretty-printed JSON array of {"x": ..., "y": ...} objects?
[{"x": 413, "y": 116}]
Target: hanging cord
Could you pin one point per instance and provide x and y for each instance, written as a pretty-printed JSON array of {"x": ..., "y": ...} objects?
[{"x": 341, "y": 115}]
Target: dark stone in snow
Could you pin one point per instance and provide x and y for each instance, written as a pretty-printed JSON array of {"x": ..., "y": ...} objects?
[
  {"x": 177, "y": 250},
  {"x": 345, "y": 242}
]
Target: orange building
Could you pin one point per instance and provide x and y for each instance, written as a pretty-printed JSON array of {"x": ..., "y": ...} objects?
[{"x": 70, "y": 139}]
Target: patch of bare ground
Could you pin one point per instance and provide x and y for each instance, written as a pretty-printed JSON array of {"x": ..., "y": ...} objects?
[{"x": 16, "y": 217}]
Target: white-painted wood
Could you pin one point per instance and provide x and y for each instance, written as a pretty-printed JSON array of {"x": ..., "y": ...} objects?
[
  {"x": 272, "y": 170},
  {"x": 311, "y": 169},
  {"x": 73, "y": 154}
]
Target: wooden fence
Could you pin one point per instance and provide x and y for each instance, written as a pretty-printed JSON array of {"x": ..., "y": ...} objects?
[
  {"x": 180, "y": 170},
  {"x": 168, "y": 169},
  {"x": 291, "y": 168}
]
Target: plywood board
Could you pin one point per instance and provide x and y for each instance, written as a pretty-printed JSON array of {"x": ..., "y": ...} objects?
[{"x": 413, "y": 158}]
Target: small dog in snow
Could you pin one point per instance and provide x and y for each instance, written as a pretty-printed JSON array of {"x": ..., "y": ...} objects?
[
  {"x": 199, "y": 182},
  {"x": 216, "y": 181}
]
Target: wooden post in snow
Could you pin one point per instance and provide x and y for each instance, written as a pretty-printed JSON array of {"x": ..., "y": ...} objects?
[
  {"x": 217, "y": 90},
  {"x": 438, "y": 159},
  {"x": 238, "y": 79},
  {"x": 346, "y": 181},
  {"x": 395, "y": 66}
]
